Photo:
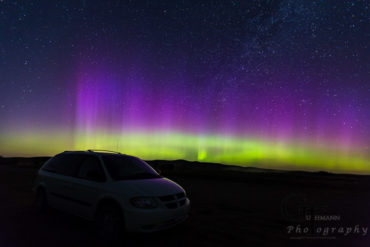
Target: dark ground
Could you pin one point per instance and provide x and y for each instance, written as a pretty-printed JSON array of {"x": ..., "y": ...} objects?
[{"x": 231, "y": 206}]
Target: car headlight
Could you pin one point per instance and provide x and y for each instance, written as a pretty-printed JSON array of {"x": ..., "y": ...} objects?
[{"x": 144, "y": 202}]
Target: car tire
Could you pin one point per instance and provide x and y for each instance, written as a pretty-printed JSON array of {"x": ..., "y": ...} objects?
[
  {"x": 110, "y": 225},
  {"x": 41, "y": 201}
]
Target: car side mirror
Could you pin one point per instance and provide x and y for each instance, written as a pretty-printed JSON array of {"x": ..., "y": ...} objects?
[{"x": 159, "y": 171}]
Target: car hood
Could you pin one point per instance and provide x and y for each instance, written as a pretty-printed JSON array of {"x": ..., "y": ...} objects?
[{"x": 148, "y": 187}]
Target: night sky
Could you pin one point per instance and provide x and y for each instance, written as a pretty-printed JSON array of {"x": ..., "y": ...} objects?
[{"x": 277, "y": 84}]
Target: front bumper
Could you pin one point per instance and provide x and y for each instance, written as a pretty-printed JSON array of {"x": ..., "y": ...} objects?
[{"x": 141, "y": 220}]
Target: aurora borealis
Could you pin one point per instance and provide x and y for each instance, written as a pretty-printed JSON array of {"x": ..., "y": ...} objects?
[{"x": 273, "y": 84}]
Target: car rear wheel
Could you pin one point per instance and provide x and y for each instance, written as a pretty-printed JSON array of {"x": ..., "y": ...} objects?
[
  {"x": 110, "y": 224},
  {"x": 41, "y": 202}
]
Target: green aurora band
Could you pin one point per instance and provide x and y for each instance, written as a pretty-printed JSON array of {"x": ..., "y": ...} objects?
[{"x": 242, "y": 151}]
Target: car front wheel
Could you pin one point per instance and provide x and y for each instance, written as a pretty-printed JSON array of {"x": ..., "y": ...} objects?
[{"x": 110, "y": 224}]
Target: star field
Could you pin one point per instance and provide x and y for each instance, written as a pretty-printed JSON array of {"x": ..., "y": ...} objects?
[{"x": 281, "y": 84}]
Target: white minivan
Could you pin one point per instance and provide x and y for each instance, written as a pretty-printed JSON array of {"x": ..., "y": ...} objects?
[{"x": 117, "y": 191}]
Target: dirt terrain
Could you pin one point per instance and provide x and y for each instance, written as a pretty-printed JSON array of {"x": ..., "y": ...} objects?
[{"x": 231, "y": 206}]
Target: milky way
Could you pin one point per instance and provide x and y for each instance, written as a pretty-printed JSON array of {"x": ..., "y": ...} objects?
[{"x": 275, "y": 84}]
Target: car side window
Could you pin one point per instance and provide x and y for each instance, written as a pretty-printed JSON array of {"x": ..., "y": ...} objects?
[
  {"x": 65, "y": 164},
  {"x": 91, "y": 170},
  {"x": 51, "y": 164}
]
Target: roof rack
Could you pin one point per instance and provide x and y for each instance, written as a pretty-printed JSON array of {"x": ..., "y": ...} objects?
[{"x": 103, "y": 150}]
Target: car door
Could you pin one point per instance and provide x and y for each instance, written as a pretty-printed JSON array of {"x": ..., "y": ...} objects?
[{"x": 89, "y": 185}]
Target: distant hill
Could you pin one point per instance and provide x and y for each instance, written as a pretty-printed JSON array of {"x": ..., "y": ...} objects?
[{"x": 215, "y": 171}]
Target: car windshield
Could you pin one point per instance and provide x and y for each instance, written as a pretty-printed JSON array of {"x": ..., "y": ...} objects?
[{"x": 128, "y": 167}]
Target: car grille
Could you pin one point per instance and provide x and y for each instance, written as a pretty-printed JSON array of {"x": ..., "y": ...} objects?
[{"x": 174, "y": 201}]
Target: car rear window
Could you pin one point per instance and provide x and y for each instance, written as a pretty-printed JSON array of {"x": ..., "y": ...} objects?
[{"x": 65, "y": 164}]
